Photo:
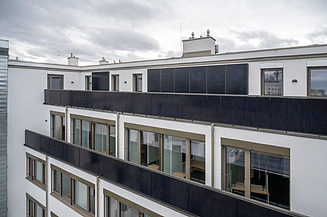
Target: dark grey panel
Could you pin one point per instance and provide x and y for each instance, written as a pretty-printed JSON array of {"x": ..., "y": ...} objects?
[
  {"x": 169, "y": 190},
  {"x": 72, "y": 155},
  {"x": 210, "y": 109},
  {"x": 66, "y": 98},
  {"x": 54, "y": 97},
  {"x": 191, "y": 107},
  {"x": 31, "y": 140},
  {"x": 116, "y": 101},
  {"x": 198, "y": 80},
  {"x": 3, "y": 187},
  {"x": 137, "y": 178},
  {"x": 182, "y": 80},
  {"x": 97, "y": 100},
  {"x": 56, "y": 149},
  {"x": 314, "y": 116},
  {"x": 167, "y": 80},
  {"x": 216, "y": 79},
  {"x": 138, "y": 103},
  {"x": 89, "y": 161},
  {"x": 167, "y": 105},
  {"x": 111, "y": 169},
  {"x": 3, "y": 208},
  {"x": 100, "y": 81},
  {"x": 81, "y": 99},
  {"x": 47, "y": 97},
  {"x": 44, "y": 142},
  {"x": 237, "y": 79},
  {"x": 153, "y": 80}
]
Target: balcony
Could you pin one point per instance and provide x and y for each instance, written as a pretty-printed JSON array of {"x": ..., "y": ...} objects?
[
  {"x": 293, "y": 114},
  {"x": 185, "y": 195}
]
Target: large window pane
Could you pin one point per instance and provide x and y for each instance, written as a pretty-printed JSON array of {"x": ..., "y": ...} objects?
[
  {"x": 133, "y": 146},
  {"x": 216, "y": 79},
  {"x": 273, "y": 82},
  {"x": 127, "y": 211},
  {"x": 86, "y": 134},
  {"x": 318, "y": 82},
  {"x": 38, "y": 211},
  {"x": 76, "y": 131},
  {"x": 198, "y": 80},
  {"x": 100, "y": 137},
  {"x": 198, "y": 161},
  {"x": 150, "y": 149},
  {"x": 167, "y": 80},
  {"x": 56, "y": 179},
  {"x": 112, "y": 204},
  {"x": 235, "y": 178},
  {"x": 112, "y": 140},
  {"x": 66, "y": 188},
  {"x": 39, "y": 171},
  {"x": 81, "y": 195},
  {"x": 182, "y": 80},
  {"x": 174, "y": 154},
  {"x": 270, "y": 178},
  {"x": 56, "y": 126}
]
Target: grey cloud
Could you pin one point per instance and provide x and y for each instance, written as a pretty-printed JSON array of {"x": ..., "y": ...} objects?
[
  {"x": 124, "y": 40},
  {"x": 319, "y": 36}
]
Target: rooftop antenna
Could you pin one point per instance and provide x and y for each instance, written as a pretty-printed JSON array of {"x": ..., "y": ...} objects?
[
  {"x": 192, "y": 35},
  {"x": 180, "y": 31},
  {"x": 208, "y": 32}
]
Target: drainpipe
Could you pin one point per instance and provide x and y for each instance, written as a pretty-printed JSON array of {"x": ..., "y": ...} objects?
[
  {"x": 47, "y": 185},
  {"x": 97, "y": 187},
  {"x": 117, "y": 133},
  {"x": 66, "y": 121}
]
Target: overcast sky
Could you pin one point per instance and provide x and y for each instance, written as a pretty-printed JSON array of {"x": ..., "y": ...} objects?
[{"x": 48, "y": 30}]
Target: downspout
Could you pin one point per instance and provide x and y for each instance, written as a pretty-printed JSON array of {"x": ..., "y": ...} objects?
[
  {"x": 117, "y": 133},
  {"x": 97, "y": 187},
  {"x": 66, "y": 121},
  {"x": 47, "y": 185}
]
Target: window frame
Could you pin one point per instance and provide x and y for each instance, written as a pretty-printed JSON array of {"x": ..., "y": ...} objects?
[
  {"x": 88, "y": 82},
  {"x": 62, "y": 122},
  {"x": 161, "y": 133},
  {"x": 30, "y": 199},
  {"x": 263, "y": 81},
  {"x": 309, "y": 80},
  {"x": 121, "y": 200},
  {"x": 248, "y": 147},
  {"x": 31, "y": 175},
  {"x": 93, "y": 121},
  {"x": 50, "y": 77},
  {"x": 115, "y": 82},
  {"x": 71, "y": 203},
  {"x": 135, "y": 80}
]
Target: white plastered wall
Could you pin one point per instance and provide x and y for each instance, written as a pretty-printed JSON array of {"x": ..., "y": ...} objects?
[{"x": 127, "y": 76}]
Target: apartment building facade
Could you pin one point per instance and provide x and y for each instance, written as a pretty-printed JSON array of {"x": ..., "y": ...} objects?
[{"x": 199, "y": 135}]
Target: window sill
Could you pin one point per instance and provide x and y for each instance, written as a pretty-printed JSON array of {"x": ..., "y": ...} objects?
[
  {"x": 70, "y": 205},
  {"x": 37, "y": 183}
]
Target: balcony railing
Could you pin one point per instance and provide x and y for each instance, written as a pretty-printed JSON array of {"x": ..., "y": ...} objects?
[
  {"x": 301, "y": 115},
  {"x": 186, "y": 195}
]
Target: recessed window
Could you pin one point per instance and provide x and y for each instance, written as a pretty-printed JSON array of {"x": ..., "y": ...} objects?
[
  {"x": 117, "y": 206},
  {"x": 55, "y": 82},
  {"x": 137, "y": 83},
  {"x": 272, "y": 82},
  {"x": 58, "y": 125},
  {"x": 73, "y": 191},
  {"x": 115, "y": 82},
  {"x": 88, "y": 83},
  {"x": 36, "y": 171},
  {"x": 318, "y": 82},
  {"x": 256, "y": 174},
  {"x": 179, "y": 156},
  {"x": 34, "y": 208},
  {"x": 96, "y": 134}
]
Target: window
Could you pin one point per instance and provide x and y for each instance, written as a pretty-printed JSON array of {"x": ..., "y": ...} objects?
[
  {"x": 115, "y": 82},
  {"x": 93, "y": 133},
  {"x": 34, "y": 208},
  {"x": 165, "y": 150},
  {"x": 73, "y": 191},
  {"x": 117, "y": 206},
  {"x": 137, "y": 83},
  {"x": 58, "y": 125},
  {"x": 317, "y": 78},
  {"x": 88, "y": 83},
  {"x": 272, "y": 82},
  {"x": 36, "y": 171},
  {"x": 55, "y": 82},
  {"x": 257, "y": 171}
]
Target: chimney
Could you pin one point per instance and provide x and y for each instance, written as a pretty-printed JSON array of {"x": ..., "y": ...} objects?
[
  {"x": 202, "y": 46},
  {"x": 103, "y": 61},
  {"x": 72, "y": 60}
]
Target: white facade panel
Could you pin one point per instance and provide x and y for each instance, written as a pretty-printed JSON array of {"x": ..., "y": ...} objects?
[{"x": 295, "y": 69}]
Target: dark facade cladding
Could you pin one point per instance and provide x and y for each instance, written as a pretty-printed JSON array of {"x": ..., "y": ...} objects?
[
  {"x": 197, "y": 199},
  {"x": 302, "y": 115},
  {"x": 222, "y": 79},
  {"x": 100, "y": 81}
]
